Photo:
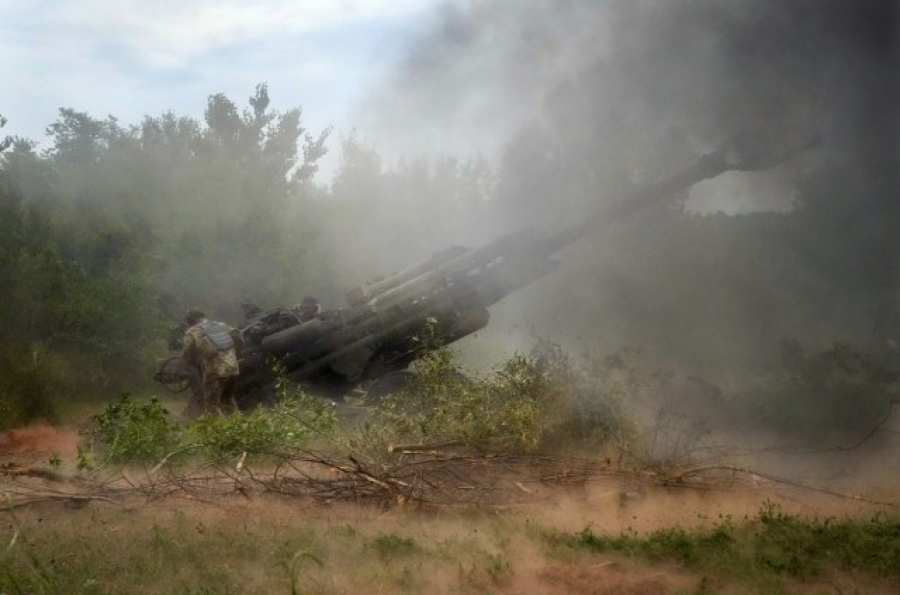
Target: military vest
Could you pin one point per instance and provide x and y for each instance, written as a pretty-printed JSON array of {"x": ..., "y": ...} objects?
[{"x": 218, "y": 334}]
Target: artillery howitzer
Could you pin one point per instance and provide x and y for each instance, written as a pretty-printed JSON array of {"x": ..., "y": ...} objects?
[{"x": 370, "y": 342}]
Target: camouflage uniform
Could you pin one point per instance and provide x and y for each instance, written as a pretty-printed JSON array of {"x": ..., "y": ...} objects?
[
  {"x": 218, "y": 365},
  {"x": 194, "y": 378},
  {"x": 187, "y": 372}
]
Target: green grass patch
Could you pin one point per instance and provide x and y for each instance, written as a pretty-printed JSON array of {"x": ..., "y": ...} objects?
[
  {"x": 389, "y": 545},
  {"x": 771, "y": 544}
]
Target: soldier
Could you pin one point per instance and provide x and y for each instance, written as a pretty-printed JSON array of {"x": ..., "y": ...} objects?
[
  {"x": 210, "y": 347},
  {"x": 251, "y": 311},
  {"x": 177, "y": 369},
  {"x": 308, "y": 308}
]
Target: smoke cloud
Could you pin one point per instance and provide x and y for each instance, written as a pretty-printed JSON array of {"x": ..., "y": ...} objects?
[
  {"x": 579, "y": 100},
  {"x": 715, "y": 68}
]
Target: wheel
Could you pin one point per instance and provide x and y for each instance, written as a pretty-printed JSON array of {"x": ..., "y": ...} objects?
[{"x": 175, "y": 375}]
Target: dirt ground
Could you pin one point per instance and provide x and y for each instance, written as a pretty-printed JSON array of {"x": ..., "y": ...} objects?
[{"x": 265, "y": 543}]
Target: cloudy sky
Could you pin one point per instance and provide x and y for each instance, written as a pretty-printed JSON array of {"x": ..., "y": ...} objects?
[{"x": 129, "y": 59}]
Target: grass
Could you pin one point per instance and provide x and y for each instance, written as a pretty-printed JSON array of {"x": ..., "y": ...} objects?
[
  {"x": 277, "y": 546},
  {"x": 273, "y": 548},
  {"x": 389, "y": 545},
  {"x": 771, "y": 546},
  {"x": 270, "y": 545}
]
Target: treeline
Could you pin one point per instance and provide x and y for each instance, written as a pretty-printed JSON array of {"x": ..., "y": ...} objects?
[
  {"x": 110, "y": 233},
  {"x": 107, "y": 235}
]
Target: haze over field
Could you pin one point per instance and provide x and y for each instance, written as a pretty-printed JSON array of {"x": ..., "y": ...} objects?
[
  {"x": 160, "y": 185},
  {"x": 699, "y": 397}
]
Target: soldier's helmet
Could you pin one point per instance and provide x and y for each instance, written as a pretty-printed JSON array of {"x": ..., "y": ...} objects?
[
  {"x": 308, "y": 308},
  {"x": 193, "y": 316}
]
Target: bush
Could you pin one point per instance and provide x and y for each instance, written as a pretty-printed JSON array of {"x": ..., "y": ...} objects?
[
  {"x": 441, "y": 404},
  {"x": 593, "y": 391},
  {"x": 525, "y": 405},
  {"x": 290, "y": 423},
  {"x": 133, "y": 431}
]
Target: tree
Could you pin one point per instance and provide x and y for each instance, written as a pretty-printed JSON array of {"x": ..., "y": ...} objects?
[{"x": 94, "y": 230}]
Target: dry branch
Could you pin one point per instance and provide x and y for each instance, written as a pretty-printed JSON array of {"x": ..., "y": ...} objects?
[{"x": 424, "y": 480}]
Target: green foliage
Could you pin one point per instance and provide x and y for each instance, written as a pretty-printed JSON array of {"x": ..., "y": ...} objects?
[
  {"x": 5, "y": 142},
  {"x": 131, "y": 430},
  {"x": 593, "y": 392},
  {"x": 73, "y": 297},
  {"x": 441, "y": 404},
  {"x": 96, "y": 228},
  {"x": 772, "y": 544},
  {"x": 23, "y": 571},
  {"x": 144, "y": 431},
  {"x": 83, "y": 459},
  {"x": 788, "y": 544},
  {"x": 292, "y": 422},
  {"x": 527, "y": 403},
  {"x": 296, "y": 567},
  {"x": 665, "y": 544}
]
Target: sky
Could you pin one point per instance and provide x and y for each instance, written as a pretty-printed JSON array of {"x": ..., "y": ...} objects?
[
  {"x": 429, "y": 77},
  {"x": 129, "y": 59}
]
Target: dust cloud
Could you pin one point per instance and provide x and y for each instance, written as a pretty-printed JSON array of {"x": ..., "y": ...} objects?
[{"x": 40, "y": 439}]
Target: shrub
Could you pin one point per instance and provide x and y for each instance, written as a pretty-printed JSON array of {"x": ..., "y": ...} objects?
[
  {"x": 131, "y": 430},
  {"x": 440, "y": 403},
  {"x": 591, "y": 396},
  {"x": 291, "y": 422},
  {"x": 525, "y": 405}
]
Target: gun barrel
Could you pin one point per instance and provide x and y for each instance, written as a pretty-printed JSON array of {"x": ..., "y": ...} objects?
[
  {"x": 528, "y": 245},
  {"x": 708, "y": 166},
  {"x": 741, "y": 153},
  {"x": 456, "y": 286},
  {"x": 377, "y": 288}
]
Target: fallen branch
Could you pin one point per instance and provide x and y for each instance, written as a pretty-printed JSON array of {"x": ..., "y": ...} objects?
[
  {"x": 432, "y": 481},
  {"x": 421, "y": 448},
  {"x": 688, "y": 473}
]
